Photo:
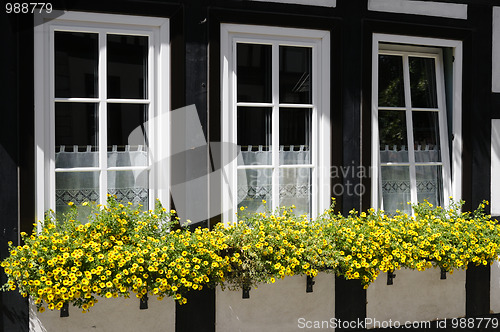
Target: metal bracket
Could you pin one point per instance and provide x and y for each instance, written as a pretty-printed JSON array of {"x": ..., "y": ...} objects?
[
  {"x": 64, "y": 312},
  {"x": 143, "y": 302},
  {"x": 246, "y": 292},
  {"x": 390, "y": 277},
  {"x": 443, "y": 274},
  {"x": 309, "y": 284}
]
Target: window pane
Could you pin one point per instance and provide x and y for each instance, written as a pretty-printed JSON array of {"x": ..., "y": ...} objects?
[
  {"x": 122, "y": 120},
  {"x": 76, "y": 55},
  {"x": 423, "y": 82},
  {"x": 76, "y": 135},
  {"x": 254, "y": 135},
  {"x": 295, "y": 75},
  {"x": 426, "y": 136},
  {"x": 396, "y": 188},
  {"x": 430, "y": 184},
  {"x": 254, "y": 72},
  {"x": 254, "y": 185},
  {"x": 390, "y": 81},
  {"x": 296, "y": 189},
  {"x": 127, "y": 64},
  {"x": 392, "y": 133},
  {"x": 129, "y": 186},
  {"x": 295, "y": 136},
  {"x": 76, "y": 187}
]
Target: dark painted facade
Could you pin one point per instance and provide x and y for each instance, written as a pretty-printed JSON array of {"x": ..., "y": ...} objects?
[{"x": 195, "y": 79}]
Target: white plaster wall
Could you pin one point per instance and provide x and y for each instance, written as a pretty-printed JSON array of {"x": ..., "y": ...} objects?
[
  {"x": 417, "y": 296},
  {"x": 277, "y": 307},
  {"x": 439, "y": 9},
  {"x": 496, "y": 51},
  {"x": 495, "y": 287},
  {"x": 108, "y": 315},
  {"x": 322, "y": 3},
  {"x": 495, "y": 167}
]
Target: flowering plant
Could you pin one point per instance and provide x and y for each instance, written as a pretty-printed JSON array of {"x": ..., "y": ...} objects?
[{"x": 122, "y": 249}]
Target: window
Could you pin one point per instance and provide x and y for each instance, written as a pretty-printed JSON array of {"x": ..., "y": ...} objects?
[
  {"x": 275, "y": 109},
  {"x": 99, "y": 80},
  {"x": 412, "y": 109}
]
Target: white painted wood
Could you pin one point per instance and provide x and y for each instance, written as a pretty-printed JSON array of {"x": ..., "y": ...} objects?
[
  {"x": 159, "y": 100},
  {"x": 495, "y": 287},
  {"x": 416, "y": 296},
  {"x": 439, "y": 9},
  {"x": 322, "y": 3},
  {"x": 319, "y": 42},
  {"x": 496, "y": 51},
  {"x": 495, "y": 167},
  {"x": 432, "y": 47},
  {"x": 276, "y": 307},
  {"x": 108, "y": 315}
]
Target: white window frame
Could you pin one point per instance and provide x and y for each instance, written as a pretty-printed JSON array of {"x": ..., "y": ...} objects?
[
  {"x": 157, "y": 29},
  {"x": 319, "y": 41},
  {"x": 452, "y": 180}
]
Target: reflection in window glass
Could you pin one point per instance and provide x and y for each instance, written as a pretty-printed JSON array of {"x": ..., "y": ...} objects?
[
  {"x": 393, "y": 137},
  {"x": 76, "y": 135},
  {"x": 390, "y": 81},
  {"x": 76, "y": 57},
  {"x": 127, "y": 65},
  {"x": 254, "y": 73},
  {"x": 295, "y": 75},
  {"x": 426, "y": 136},
  {"x": 295, "y": 136},
  {"x": 423, "y": 82},
  {"x": 254, "y": 135}
]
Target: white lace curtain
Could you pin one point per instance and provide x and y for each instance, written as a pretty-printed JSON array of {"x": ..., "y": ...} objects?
[
  {"x": 78, "y": 187},
  {"x": 395, "y": 180},
  {"x": 255, "y": 185}
]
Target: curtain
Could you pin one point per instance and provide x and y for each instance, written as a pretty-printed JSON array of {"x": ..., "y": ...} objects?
[
  {"x": 395, "y": 180},
  {"x": 255, "y": 185},
  {"x": 78, "y": 187}
]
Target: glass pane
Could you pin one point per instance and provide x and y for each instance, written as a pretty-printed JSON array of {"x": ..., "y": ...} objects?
[
  {"x": 129, "y": 186},
  {"x": 254, "y": 185},
  {"x": 390, "y": 81},
  {"x": 295, "y": 136},
  {"x": 426, "y": 136},
  {"x": 254, "y": 72},
  {"x": 423, "y": 82},
  {"x": 76, "y": 187},
  {"x": 295, "y": 75},
  {"x": 430, "y": 184},
  {"x": 392, "y": 133},
  {"x": 254, "y": 135},
  {"x": 396, "y": 188},
  {"x": 296, "y": 189},
  {"x": 76, "y": 135},
  {"x": 127, "y": 64},
  {"x": 76, "y": 58},
  {"x": 122, "y": 149}
]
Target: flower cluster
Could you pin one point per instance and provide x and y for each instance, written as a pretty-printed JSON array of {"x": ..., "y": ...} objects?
[{"x": 122, "y": 250}]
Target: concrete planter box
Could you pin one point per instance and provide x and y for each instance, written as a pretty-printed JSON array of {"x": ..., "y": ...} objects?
[
  {"x": 416, "y": 296},
  {"x": 277, "y": 307},
  {"x": 108, "y": 315}
]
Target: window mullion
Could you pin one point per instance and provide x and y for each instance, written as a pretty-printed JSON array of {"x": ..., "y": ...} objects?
[
  {"x": 103, "y": 142},
  {"x": 275, "y": 123},
  {"x": 409, "y": 129}
]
